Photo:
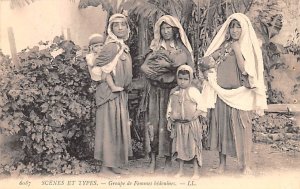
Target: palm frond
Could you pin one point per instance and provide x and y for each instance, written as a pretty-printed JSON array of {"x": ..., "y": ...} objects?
[
  {"x": 20, "y": 3},
  {"x": 143, "y": 8},
  {"x": 94, "y": 3}
]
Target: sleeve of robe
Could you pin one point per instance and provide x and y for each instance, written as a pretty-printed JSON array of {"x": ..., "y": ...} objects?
[{"x": 107, "y": 54}]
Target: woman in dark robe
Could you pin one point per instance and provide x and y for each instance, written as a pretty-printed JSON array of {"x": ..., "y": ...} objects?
[
  {"x": 234, "y": 89},
  {"x": 112, "y": 136},
  {"x": 170, "y": 49}
]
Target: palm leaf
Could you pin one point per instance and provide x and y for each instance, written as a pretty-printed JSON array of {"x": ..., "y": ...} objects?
[
  {"x": 142, "y": 8},
  {"x": 106, "y": 5},
  {"x": 20, "y": 3},
  {"x": 275, "y": 25}
]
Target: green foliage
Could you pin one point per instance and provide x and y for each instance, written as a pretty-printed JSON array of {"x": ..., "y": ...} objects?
[
  {"x": 293, "y": 47},
  {"x": 278, "y": 129},
  {"x": 155, "y": 9},
  {"x": 293, "y": 44},
  {"x": 107, "y": 5},
  {"x": 20, "y": 3},
  {"x": 48, "y": 103},
  {"x": 268, "y": 24}
]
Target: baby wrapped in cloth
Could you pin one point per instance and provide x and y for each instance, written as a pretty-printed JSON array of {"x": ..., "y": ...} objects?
[{"x": 163, "y": 74}]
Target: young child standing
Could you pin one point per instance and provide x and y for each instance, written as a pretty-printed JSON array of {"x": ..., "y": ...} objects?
[
  {"x": 184, "y": 108},
  {"x": 96, "y": 42}
]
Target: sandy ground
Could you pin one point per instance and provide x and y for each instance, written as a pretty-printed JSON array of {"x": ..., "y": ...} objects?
[
  {"x": 272, "y": 169},
  {"x": 264, "y": 161}
]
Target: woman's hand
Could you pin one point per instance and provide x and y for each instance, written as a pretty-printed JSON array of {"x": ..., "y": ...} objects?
[
  {"x": 197, "y": 114},
  {"x": 147, "y": 70},
  {"x": 163, "y": 63},
  {"x": 169, "y": 124},
  {"x": 216, "y": 54},
  {"x": 205, "y": 74}
]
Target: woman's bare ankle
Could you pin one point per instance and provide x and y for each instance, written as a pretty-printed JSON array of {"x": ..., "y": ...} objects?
[
  {"x": 179, "y": 173},
  {"x": 246, "y": 170}
]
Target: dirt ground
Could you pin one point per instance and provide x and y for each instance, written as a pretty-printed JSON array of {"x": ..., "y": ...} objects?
[
  {"x": 265, "y": 159},
  {"x": 272, "y": 169}
]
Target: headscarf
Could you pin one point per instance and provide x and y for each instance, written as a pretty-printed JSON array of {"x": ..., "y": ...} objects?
[
  {"x": 253, "y": 64},
  {"x": 174, "y": 22},
  {"x": 190, "y": 93},
  {"x": 183, "y": 67},
  {"x": 187, "y": 68},
  {"x": 111, "y": 37},
  {"x": 96, "y": 38}
]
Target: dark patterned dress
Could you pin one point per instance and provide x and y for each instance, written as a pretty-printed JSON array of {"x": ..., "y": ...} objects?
[
  {"x": 230, "y": 129},
  {"x": 112, "y": 136}
]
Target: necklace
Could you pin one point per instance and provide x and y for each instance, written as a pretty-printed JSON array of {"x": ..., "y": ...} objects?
[{"x": 223, "y": 55}]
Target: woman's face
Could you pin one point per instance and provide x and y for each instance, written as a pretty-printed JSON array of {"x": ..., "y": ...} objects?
[
  {"x": 166, "y": 31},
  {"x": 235, "y": 30},
  {"x": 183, "y": 80},
  {"x": 120, "y": 28}
]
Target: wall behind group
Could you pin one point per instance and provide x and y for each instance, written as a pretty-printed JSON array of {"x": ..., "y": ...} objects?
[{"x": 45, "y": 19}]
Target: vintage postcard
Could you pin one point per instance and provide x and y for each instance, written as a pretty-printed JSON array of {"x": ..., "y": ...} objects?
[{"x": 149, "y": 94}]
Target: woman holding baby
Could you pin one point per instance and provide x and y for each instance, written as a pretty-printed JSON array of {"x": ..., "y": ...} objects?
[{"x": 170, "y": 48}]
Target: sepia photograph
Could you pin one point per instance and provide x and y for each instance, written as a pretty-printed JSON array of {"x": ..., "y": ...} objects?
[{"x": 149, "y": 94}]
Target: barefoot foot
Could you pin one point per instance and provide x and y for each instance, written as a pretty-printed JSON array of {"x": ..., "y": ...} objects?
[
  {"x": 195, "y": 177},
  {"x": 246, "y": 170},
  {"x": 168, "y": 167},
  {"x": 120, "y": 171},
  {"x": 151, "y": 168},
  {"x": 179, "y": 174},
  {"x": 108, "y": 171},
  {"x": 220, "y": 169}
]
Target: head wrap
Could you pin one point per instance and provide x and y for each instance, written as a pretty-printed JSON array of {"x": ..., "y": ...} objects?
[
  {"x": 111, "y": 37},
  {"x": 96, "y": 38},
  {"x": 253, "y": 63},
  {"x": 174, "y": 22},
  {"x": 187, "y": 68}
]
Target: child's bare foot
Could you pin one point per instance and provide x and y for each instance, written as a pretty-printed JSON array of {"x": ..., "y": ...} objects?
[
  {"x": 195, "y": 176},
  {"x": 179, "y": 174},
  {"x": 246, "y": 170},
  {"x": 220, "y": 169},
  {"x": 151, "y": 168},
  {"x": 117, "y": 89},
  {"x": 196, "y": 173},
  {"x": 168, "y": 165}
]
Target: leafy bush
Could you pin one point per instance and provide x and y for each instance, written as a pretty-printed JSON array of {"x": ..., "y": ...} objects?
[
  {"x": 278, "y": 129},
  {"x": 48, "y": 102}
]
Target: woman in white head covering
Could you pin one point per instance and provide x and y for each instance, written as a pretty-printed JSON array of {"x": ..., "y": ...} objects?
[
  {"x": 235, "y": 86},
  {"x": 170, "y": 49},
  {"x": 184, "y": 108},
  {"x": 112, "y": 136}
]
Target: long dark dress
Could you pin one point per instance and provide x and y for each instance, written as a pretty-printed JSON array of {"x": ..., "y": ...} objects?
[
  {"x": 112, "y": 136},
  {"x": 154, "y": 104},
  {"x": 230, "y": 129}
]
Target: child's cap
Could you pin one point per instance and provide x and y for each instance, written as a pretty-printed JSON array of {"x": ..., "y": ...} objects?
[{"x": 96, "y": 38}]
